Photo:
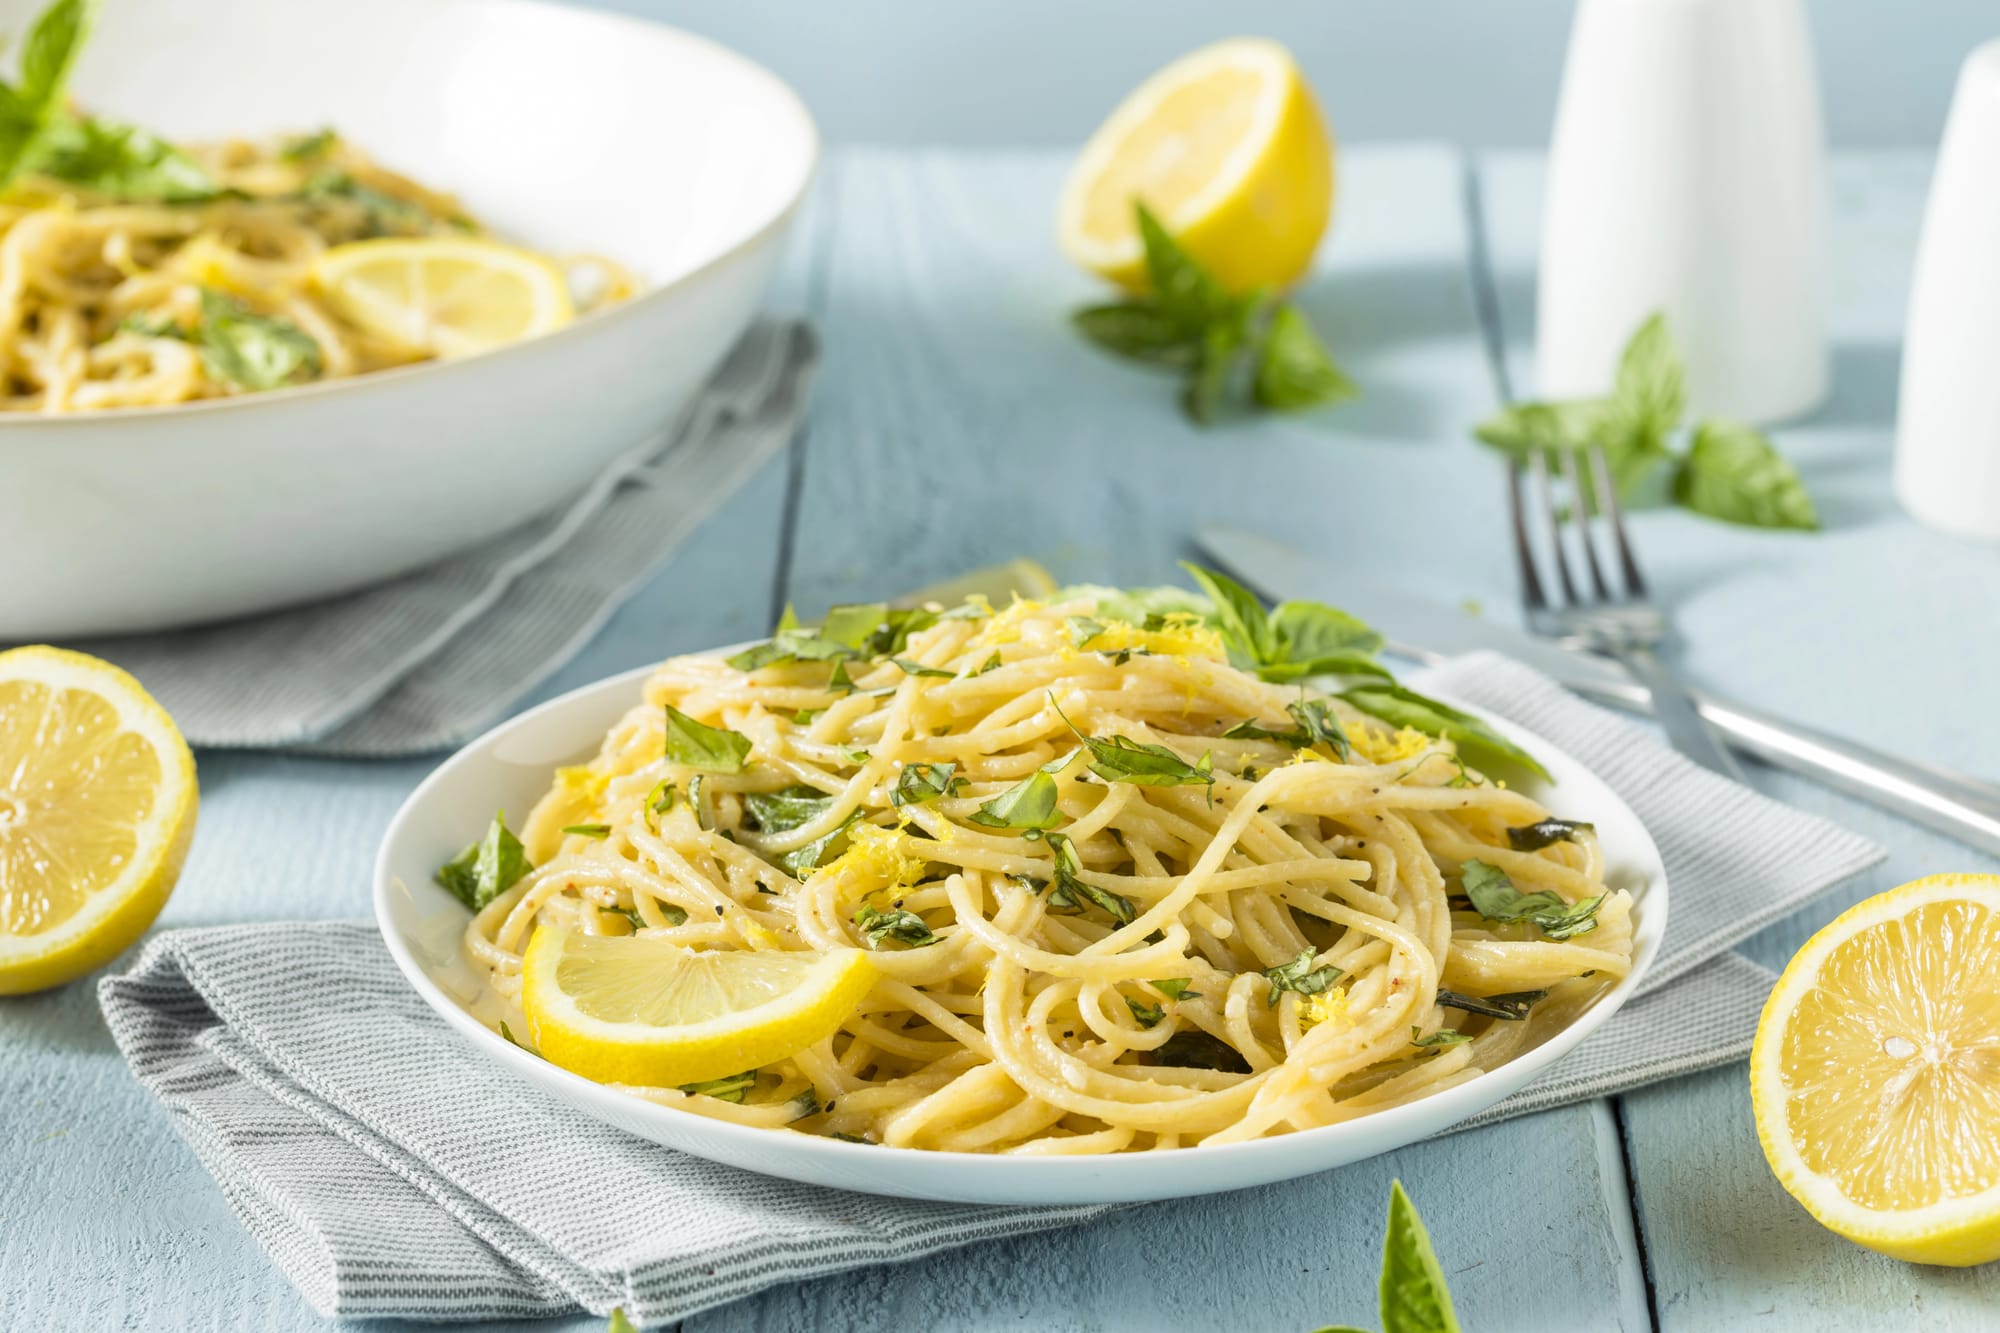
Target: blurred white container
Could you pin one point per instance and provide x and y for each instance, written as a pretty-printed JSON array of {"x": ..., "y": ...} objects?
[
  {"x": 1687, "y": 174},
  {"x": 1948, "y": 420}
]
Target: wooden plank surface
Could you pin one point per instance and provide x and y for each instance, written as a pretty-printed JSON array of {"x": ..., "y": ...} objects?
[
  {"x": 961, "y": 423},
  {"x": 1874, "y": 628}
]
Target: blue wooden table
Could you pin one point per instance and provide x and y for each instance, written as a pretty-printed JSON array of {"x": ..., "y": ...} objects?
[{"x": 958, "y": 423}]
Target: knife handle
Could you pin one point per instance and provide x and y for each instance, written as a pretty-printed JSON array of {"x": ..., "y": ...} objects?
[{"x": 1961, "y": 807}]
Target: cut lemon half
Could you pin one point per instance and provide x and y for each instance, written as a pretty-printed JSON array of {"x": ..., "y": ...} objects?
[
  {"x": 97, "y": 808},
  {"x": 1875, "y": 1077},
  {"x": 1228, "y": 149},
  {"x": 443, "y": 296},
  {"x": 635, "y": 1009}
]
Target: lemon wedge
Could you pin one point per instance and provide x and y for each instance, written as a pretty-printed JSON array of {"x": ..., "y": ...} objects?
[
  {"x": 443, "y": 295},
  {"x": 1875, "y": 1076},
  {"x": 1228, "y": 149},
  {"x": 97, "y": 808},
  {"x": 635, "y": 1009}
]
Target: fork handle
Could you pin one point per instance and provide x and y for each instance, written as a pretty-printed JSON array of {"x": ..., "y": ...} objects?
[
  {"x": 1674, "y": 708},
  {"x": 1960, "y": 807}
]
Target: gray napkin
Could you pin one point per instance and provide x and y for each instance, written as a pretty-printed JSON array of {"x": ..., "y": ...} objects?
[
  {"x": 429, "y": 659},
  {"x": 392, "y": 1170}
]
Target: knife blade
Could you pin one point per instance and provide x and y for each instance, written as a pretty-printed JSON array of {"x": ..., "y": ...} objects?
[{"x": 1420, "y": 629}]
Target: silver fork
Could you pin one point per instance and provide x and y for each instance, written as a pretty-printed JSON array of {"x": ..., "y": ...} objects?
[{"x": 1623, "y": 624}]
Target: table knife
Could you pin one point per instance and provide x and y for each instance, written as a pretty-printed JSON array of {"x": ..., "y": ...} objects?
[{"x": 1422, "y": 630}]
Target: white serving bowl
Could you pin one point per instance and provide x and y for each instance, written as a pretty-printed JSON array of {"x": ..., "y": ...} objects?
[
  {"x": 510, "y": 767},
  {"x": 565, "y": 129}
]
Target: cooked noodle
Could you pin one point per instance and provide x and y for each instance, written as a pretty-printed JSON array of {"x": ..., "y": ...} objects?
[{"x": 1031, "y": 1030}]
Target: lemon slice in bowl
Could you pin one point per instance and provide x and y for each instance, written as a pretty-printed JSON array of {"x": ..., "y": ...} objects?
[
  {"x": 97, "y": 808},
  {"x": 1228, "y": 149},
  {"x": 635, "y": 1009},
  {"x": 443, "y": 295},
  {"x": 1875, "y": 1077}
]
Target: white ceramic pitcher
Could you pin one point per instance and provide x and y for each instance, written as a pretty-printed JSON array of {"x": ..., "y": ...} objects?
[{"x": 1687, "y": 174}]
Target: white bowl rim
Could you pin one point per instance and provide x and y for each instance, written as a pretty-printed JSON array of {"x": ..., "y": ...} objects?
[
  {"x": 624, "y": 310},
  {"x": 1121, "y": 1176}
]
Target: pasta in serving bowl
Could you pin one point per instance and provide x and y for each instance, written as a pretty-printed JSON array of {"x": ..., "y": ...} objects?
[
  {"x": 1136, "y": 922},
  {"x": 207, "y": 413}
]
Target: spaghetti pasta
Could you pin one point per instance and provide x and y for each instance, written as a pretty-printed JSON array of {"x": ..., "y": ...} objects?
[{"x": 1122, "y": 895}]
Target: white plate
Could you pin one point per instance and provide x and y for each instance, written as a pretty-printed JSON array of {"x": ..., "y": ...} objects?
[
  {"x": 564, "y": 128},
  {"x": 509, "y": 768}
]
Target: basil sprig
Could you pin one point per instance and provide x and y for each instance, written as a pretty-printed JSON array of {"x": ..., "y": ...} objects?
[
  {"x": 1494, "y": 897},
  {"x": 1728, "y": 471},
  {"x": 1414, "y": 1296},
  {"x": 1251, "y": 349}
]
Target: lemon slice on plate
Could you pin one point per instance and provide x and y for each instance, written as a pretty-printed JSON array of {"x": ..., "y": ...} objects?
[
  {"x": 443, "y": 296},
  {"x": 97, "y": 808},
  {"x": 1228, "y": 149},
  {"x": 635, "y": 1009},
  {"x": 1875, "y": 1076}
]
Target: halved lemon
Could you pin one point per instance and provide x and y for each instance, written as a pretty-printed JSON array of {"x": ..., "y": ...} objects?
[
  {"x": 635, "y": 1009},
  {"x": 1875, "y": 1077},
  {"x": 1228, "y": 149},
  {"x": 443, "y": 295},
  {"x": 97, "y": 808}
]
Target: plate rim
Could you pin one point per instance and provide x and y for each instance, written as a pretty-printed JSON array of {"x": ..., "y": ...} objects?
[{"x": 1114, "y": 1177}]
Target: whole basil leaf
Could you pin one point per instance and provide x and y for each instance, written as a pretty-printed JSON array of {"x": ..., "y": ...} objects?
[
  {"x": 697, "y": 745},
  {"x": 1403, "y": 707},
  {"x": 1734, "y": 473},
  {"x": 487, "y": 868},
  {"x": 1414, "y": 1296},
  {"x": 48, "y": 54},
  {"x": 1141, "y": 331},
  {"x": 1294, "y": 371},
  {"x": 1029, "y": 804},
  {"x": 1650, "y": 394},
  {"x": 1182, "y": 289},
  {"x": 1246, "y": 629},
  {"x": 1521, "y": 430}
]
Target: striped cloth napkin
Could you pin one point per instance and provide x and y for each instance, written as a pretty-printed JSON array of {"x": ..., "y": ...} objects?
[
  {"x": 390, "y": 1169},
  {"x": 430, "y": 659}
]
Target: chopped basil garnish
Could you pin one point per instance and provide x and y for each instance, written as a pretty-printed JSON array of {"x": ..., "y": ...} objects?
[
  {"x": 731, "y": 1089},
  {"x": 697, "y": 745},
  {"x": 1148, "y": 1015},
  {"x": 1070, "y": 893},
  {"x": 899, "y": 924},
  {"x": 1121, "y": 759},
  {"x": 1546, "y": 832},
  {"x": 1438, "y": 1040},
  {"x": 1029, "y": 804},
  {"x": 919, "y": 783},
  {"x": 252, "y": 350},
  {"x": 1494, "y": 897},
  {"x": 487, "y": 868},
  {"x": 910, "y": 668},
  {"x": 589, "y": 830},
  {"x": 1301, "y": 976},
  {"x": 1195, "y": 1049},
  {"x": 1510, "y": 1007}
]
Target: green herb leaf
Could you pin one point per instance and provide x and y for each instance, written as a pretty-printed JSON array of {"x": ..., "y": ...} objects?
[
  {"x": 1069, "y": 892},
  {"x": 1246, "y": 630},
  {"x": 619, "y": 1323},
  {"x": 1650, "y": 396},
  {"x": 1545, "y": 833},
  {"x": 1195, "y": 1049},
  {"x": 1320, "y": 724},
  {"x": 1148, "y": 1015},
  {"x": 1176, "y": 988},
  {"x": 1122, "y": 759},
  {"x": 661, "y": 798},
  {"x": 1294, "y": 371},
  {"x": 789, "y": 808},
  {"x": 1311, "y": 639},
  {"x": 897, "y": 924},
  {"x": 590, "y": 830},
  {"x": 1406, "y": 708},
  {"x": 310, "y": 147},
  {"x": 119, "y": 160},
  {"x": 1030, "y": 804},
  {"x": 731, "y": 1089},
  {"x": 696, "y": 745},
  {"x": 1734, "y": 473},
  {"x": 1140, "y": 331},
  {"x": 990, "y": 664},
  {"x": 1301, "y": 976},
  {"x": 383, "y": 213},
  {"x": 1217, "y": 358},
  {"x": 48, "y": 54},
  {"x": 513, "y": 1040},
  {"x": 1521, "y": 430},
  {"x": 255, "y": 351},
  {"x": 1494, "y": 897},
  {"x": 919, "y": 669},
  {"x": 1414, "y": 1296},
  {"x": 1510, "y": 1007},
  {"x": 1082, "y": 629},
  {"x": 920, "y": 783},
  {"x": 1182, "y": 289},
  {"x": 487, "y": 868},
  {"x": 1437, "y": 1040}
]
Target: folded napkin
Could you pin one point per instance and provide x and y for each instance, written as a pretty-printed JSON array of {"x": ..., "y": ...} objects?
[
  {"x": 392, "y": 1170},
  {"x": 429, "y": 659}
]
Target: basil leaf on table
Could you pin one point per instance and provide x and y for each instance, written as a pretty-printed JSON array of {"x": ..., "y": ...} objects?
[
  {"x": 1403, "y": 707},
  {"x": 697, "y": 745},
  {"x": 1293, "y": 369},
  {"x": 1141, "y": 331},
  {"x": 257, "y": 352},
  {"x": 1183, "y": 290},
  {"x": 487, "y": 868},
  {"x": 1734, "y": 473}
]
